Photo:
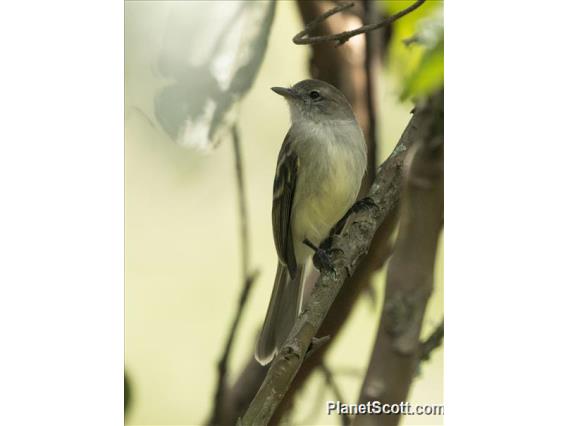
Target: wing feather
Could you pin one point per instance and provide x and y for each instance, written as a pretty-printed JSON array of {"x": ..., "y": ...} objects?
[{"x": 283, "y": 199}]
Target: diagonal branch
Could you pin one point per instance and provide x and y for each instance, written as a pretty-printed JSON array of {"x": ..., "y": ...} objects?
[
  {"x": 303, "y": 38},
  {"x": 397, "y": 350},
  {"x": 347, "y": 249}
]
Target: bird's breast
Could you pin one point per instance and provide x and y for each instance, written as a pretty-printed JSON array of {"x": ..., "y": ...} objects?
[{"x": 329, "y": 180}]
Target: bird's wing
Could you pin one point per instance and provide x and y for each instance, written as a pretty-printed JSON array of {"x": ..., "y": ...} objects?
[{"x": 283, "y": 198}]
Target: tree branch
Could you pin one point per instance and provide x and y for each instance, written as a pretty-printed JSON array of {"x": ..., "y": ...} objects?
[
  {"x": 248, "y": 278},
  {"x": 303, "y": 38},
  {"x": 397, "y": 349},
  {"x": 243, "y": 214},
  {"x": 432, "y": 342},
  {"x": 347, "y": 249}
]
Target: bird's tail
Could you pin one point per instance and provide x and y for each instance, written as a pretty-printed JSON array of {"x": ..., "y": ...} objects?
[{"x": 282, "y": 313}]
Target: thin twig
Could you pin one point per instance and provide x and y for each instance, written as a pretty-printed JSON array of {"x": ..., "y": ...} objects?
[
  {"x": 248, "y": 278},
  {"x": 317, "y": 342},
  {"x": 370, "y": 50},
  {"x": 303, "y": 38},
  {"x": 317, "y": 402},
  {"x": 243, "y": 214},
  {"x": 330, "y": 380},
  {"x": 432, "y": 342}
]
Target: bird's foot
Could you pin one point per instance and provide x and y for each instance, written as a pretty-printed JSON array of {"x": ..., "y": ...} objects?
[
  {"x": 363, "y": 204},
  {"x": 322, "y": 259},
  {"x": 359, "y": 206}
]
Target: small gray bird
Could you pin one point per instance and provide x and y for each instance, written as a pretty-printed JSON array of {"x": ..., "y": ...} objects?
[{"x": 320, "y": 167}]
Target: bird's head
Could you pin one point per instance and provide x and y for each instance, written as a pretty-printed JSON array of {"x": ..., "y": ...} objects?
[{"x": 316, "y": 100}]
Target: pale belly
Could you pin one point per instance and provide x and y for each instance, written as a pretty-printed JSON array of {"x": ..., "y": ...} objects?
[
  {"x": 331, "y": 163},
  {"x": 316, "y": 211}
]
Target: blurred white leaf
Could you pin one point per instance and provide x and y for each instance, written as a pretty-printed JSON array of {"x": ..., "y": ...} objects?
[
  {"x": 430, "y": 29},
  {"x": 209, "y": 58}
]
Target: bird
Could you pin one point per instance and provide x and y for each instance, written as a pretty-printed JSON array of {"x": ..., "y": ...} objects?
[{"x": 320, "y": 167}]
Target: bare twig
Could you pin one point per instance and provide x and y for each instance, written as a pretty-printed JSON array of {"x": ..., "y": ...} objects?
[
  {"x": 358, "y": 10},
  {"x": 330, "y": 381},
  {"x": 248, "y": 278},
  {"x": 370, "y": 78},
  {"x": 370, "y": 63},
  {"x": 317, "y": 342},
  {"x": 303, "y": 38},
  {"x": 243, "y": 214},
  {"x": 397, "y": 349},
  {"x": 432, "y": 342},
  {"x": 317, "y": 403},
  {"x": 347, "y": 249}
]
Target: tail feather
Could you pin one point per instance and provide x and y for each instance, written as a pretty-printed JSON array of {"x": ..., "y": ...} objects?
[{"x": 282, "y": 312}]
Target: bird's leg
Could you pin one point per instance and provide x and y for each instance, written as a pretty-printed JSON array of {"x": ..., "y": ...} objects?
[
  {"x": 359, "y": 206},
  {"x": 322, "y": 259}
]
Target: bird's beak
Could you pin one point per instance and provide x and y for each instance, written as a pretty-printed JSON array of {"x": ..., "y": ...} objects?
[{"x": 287, "y": 93}]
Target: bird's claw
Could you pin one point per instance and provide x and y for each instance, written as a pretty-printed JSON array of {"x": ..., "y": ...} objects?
[
  {"x": 360, "y": 206},
  {"x": 363, "y": 204},
  {"x": 322, "y": 259}
]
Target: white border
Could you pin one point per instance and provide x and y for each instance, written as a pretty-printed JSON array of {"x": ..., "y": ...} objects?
[
  {"x": 61, "y": 214},
  {"x": 506, "y": 213},
  {"x": 61, "y": 228}
]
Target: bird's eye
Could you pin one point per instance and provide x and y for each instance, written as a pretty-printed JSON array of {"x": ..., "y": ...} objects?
[{"x": 314, "y": 94}]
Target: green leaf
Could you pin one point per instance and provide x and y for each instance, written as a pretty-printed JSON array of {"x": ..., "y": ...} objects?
[
  {"x": 416, "y": 57},
  {"x": 428, "y": 75}
]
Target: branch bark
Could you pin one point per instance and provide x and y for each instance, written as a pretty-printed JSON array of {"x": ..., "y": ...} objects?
[
  {"x": 347, "y": 249},
  {"x": 398, "y": 350}
]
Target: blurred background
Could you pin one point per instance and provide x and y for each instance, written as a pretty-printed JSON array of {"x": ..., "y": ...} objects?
[{"x": 182, "y": 247}]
